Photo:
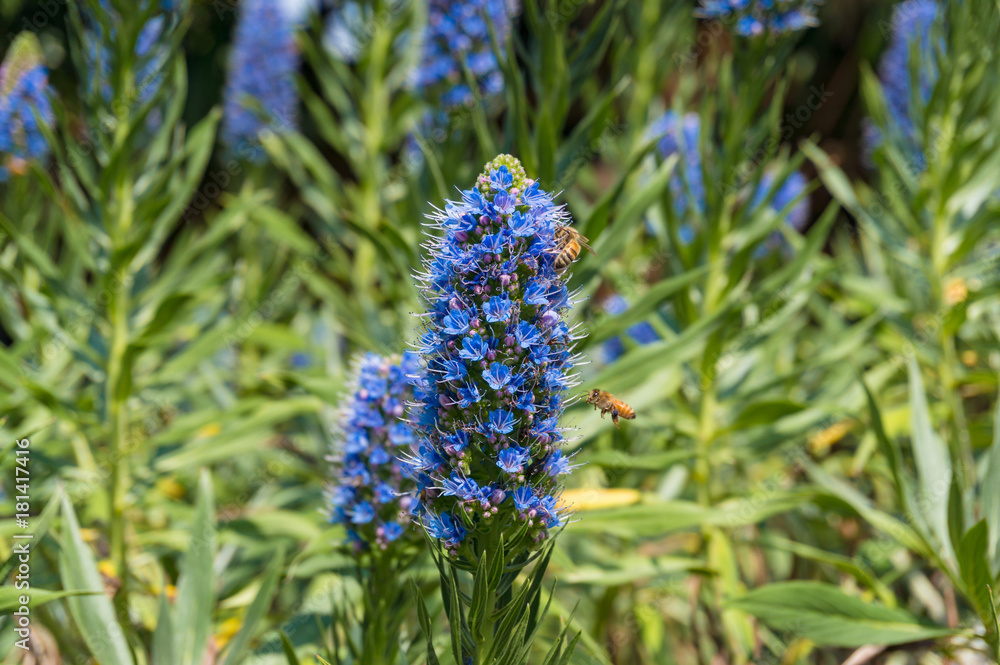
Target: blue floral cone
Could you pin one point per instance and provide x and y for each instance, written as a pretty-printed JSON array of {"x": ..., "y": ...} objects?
[{"x": 24, "y": 100}]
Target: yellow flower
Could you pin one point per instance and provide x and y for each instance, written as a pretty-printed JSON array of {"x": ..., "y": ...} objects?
[
  {"x": 106, "y": 568},
  {"x": 955, "y": 291},
  {"x": 207, "y": 430},
  {"x": 226, "y": 630},
  {"x": 820, "y": 442},
  {"x": 171, "y": 488},
  {"x": 595, "y": 498}
]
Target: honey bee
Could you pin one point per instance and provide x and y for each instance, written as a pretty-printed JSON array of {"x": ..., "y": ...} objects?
[
  {"x": 607, "y": 402},
  {"x": 569, "y": 242}
]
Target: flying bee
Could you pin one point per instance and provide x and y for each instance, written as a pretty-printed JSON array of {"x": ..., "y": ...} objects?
[
  {"x": 608, "y": 403},
  {"x": 569, "y": 242}
]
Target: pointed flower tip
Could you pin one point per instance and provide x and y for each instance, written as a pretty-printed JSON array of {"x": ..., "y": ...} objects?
[
  {"x": 503, "y": 172},
  {"x": 25, "y": 54}
]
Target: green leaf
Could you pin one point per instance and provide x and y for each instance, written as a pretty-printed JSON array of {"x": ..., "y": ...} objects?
[
  {"x": 991, "y": 495},
  {"x": 40, "y": 528},
  {"x": 93, "y": 613},
  {"x": 163, "y": 636},
  {"x": 10, "y": 597},
  {"x": 765, "y": 412},
  {"x": 827, "y": 616},
  {"x": 425, "y": 623},
  {"x": 975, "y": 570},
  {"x": 933, "y": 463},
  {"x": 258, "y": 608},
  {"x": 617, "y": 460},
  {"x": 196, "y": 584},
  {"x": 994, "y": 624},
  {"x": 479, "y": 609},
  {"x": 891, "y": 452},
  {"x": 288, "y": 648}
]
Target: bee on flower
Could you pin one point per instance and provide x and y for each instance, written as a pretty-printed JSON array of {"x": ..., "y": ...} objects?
[{"x": 498, "y": 359}]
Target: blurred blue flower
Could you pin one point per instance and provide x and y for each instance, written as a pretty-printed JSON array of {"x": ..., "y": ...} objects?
[
  {"x": 753, "y": 18},
  {"x": 687, "y": 185},
  {"x": 911, "y": 22},
  {"x": 791, "y": 189},
  {"x": 642, "y": 332},
  {"x": 24, "y": 92},
  {"x": 150, "y": 56},
  {"x": 369, "y": 490},
  {"x": 497, "y": 361},
  {"x": 300, "y": 360},
  {"x": 260, "y": 93},
  {"x": 457, "y": 38},
  {"x": 681, "y": 135}
]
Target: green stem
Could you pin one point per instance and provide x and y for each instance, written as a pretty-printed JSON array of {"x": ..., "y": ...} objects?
[
  {"x": 116, "y": 394},
  {"x": 484, "y": 646}
]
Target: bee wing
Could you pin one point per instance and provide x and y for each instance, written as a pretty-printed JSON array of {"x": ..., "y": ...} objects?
[{"x": 583, "y": 243}]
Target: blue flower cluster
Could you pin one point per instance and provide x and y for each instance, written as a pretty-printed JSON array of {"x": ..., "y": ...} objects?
[
  {"x": 687, "y": 184},
  {"x": 753, "y": 18},
  {"x": 370, "y": 494},
  {"x": 641, "y": 333},
  {"x": 497, "y": 357},
  {"x": 783, "y": 194},
  {"x": 681, "y": 135},
  {"x": 260, "y": 93},
  {"x": 150, "y": 54},
  {"x": 911, "y": 22},
  {"x": 458, "y": 38},
  {"x": 24, "y": 92}
]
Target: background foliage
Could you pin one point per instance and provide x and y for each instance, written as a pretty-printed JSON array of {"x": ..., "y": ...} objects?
[{"x": 815, "y": 467}]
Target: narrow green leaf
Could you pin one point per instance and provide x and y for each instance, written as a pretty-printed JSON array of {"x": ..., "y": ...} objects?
[
  {"x": 163, "y": 636},
  {"x": 933, "y": 463},
  {"x": 425, "y": 623},
  {"x": 829, "y": 617},
  {"x": 891, "y": 452},
  {"x": 40, "y": 527},
  {"x": 93, "y": 613},
  {"x": 480, "y": 596},
  {"x": 991, "y": 495},
  {"x": 269, "y": 584},
  {"x": 570, "y": 648},
  {"x": 196, "y": 584},
  {"x": 994, "y": 624},
  {"x": 288, "y": 648},
  {"x": 975, "y": 570},
  {"x": 11, "y": 597}
]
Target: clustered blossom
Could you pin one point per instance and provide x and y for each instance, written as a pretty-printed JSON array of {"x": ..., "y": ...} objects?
[
  {"x": 783, "y": 194},
  {"x": 260, "y": 93},
  {"x": 681, "y": 135},
  {"x": 150, "y": 53},
  {"x": 24, "y": 92},
  {"x": 753, "y": 18},
  {"x": 370, "y": 495},
  {"x": 497, "y": 358},
  {"x": 687, "y": 184},
  {"x": 641, "y": 333},
  {"x": 911, "y": 22},
  {"x": 458, "y": 38}
]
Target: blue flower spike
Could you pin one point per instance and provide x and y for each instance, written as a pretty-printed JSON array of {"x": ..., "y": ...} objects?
[
  {"x": 370, "y": 495},
  {"x": 24, "y": 100},
  {"x": 758, "y": 18},
  {"x": 458, "y": 39},
  {"x": 910, "y": 39},
  {"x": 260, "y": 94},
  {"x": 498, "y": 360}
]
